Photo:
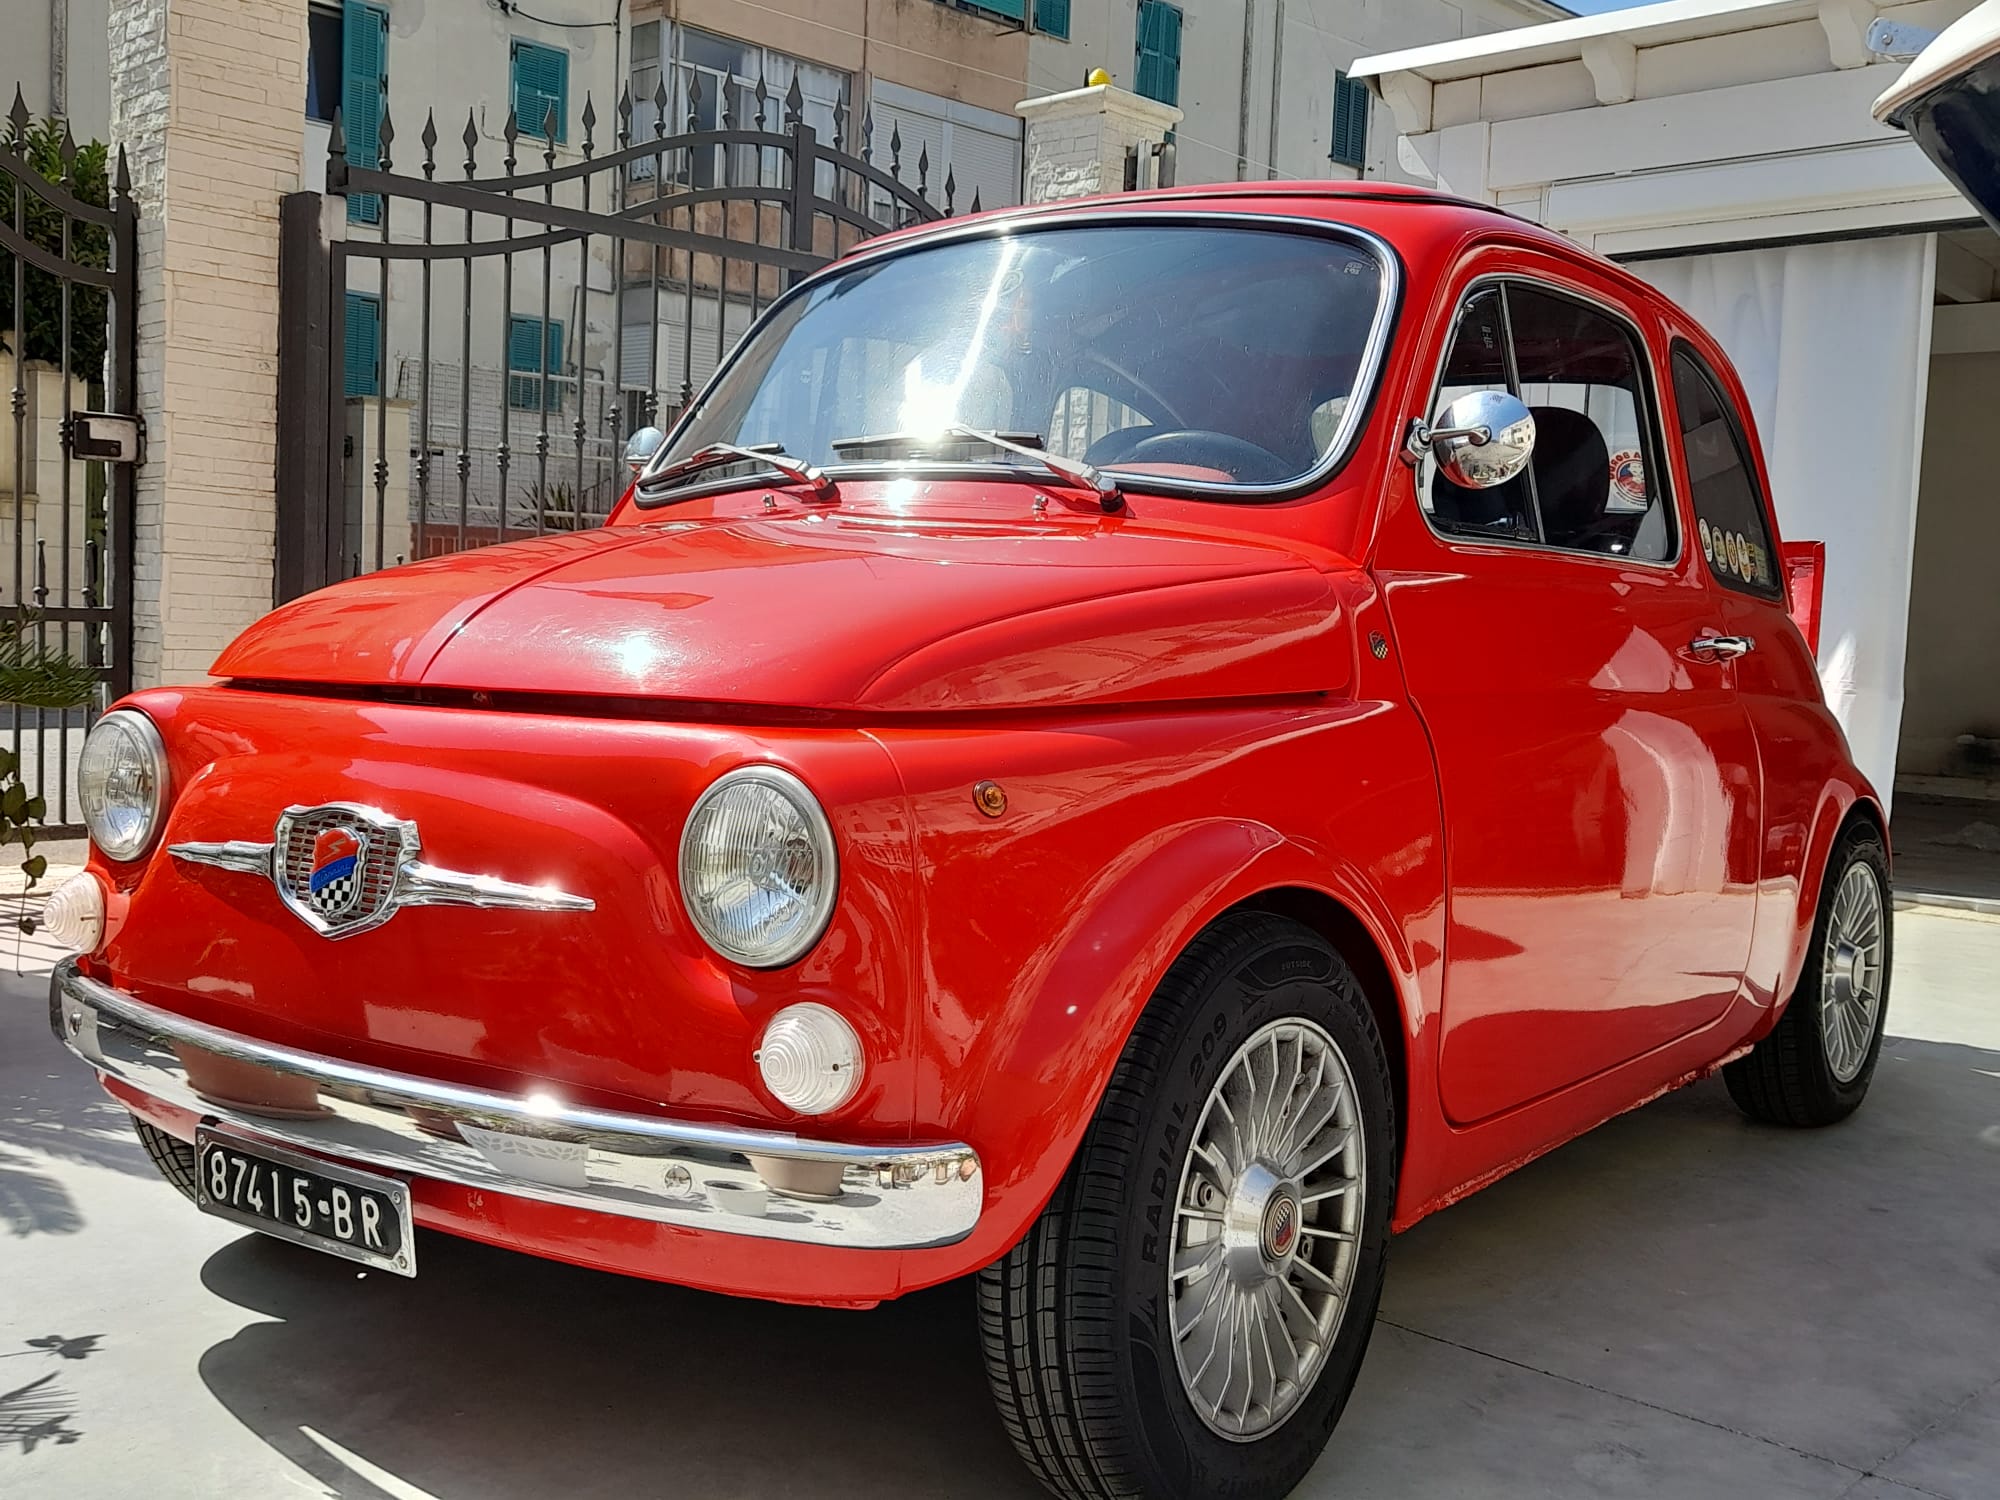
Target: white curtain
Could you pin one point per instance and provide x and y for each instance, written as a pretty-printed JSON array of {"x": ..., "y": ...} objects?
[{"x": 1833, "y": 345}]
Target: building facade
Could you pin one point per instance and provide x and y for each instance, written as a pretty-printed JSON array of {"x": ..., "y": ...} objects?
[{"x": 1263, "y": 85}]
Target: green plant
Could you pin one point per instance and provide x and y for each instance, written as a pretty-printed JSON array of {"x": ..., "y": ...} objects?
[
  {"x": 32, "y": 676},
  {"x": 43, "y": 146}
]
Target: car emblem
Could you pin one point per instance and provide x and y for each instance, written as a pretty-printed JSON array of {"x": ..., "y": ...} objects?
[
  {"x": 342, "y": 868},
  {"x": 335, "y": 883}
]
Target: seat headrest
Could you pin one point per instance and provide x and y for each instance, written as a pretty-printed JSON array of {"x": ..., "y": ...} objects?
[{"x": 1572, "y": 466}]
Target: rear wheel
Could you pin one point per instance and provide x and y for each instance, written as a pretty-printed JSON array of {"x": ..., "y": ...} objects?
[
  {"x": 1815, "y": 1066},
  {"x": 1188, "y": 1315},
  {"x": 172, "y": 1155}
]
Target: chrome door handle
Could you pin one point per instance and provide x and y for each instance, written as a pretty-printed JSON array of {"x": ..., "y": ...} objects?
[{"x": 1721, "y": 647}]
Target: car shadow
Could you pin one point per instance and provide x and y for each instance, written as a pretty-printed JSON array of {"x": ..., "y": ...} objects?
[
  {"x": 500, "y": 1375},
  {"x": 1650, "y": 1265},
  {"x": 51, "y": 1108}
]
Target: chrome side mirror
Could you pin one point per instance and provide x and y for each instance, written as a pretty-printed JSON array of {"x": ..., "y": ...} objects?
[
  {"x": 641, "y": 446},
  {"x": 1481, "y": 440}
]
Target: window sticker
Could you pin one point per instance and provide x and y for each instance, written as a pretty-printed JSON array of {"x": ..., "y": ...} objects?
[{"x": 1628, "y": 475}]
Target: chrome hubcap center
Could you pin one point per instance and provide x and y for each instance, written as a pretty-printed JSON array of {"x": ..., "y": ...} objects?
[{"x": 1281, "y": 1226}]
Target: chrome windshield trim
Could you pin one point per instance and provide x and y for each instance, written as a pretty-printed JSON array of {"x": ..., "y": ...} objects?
[
  {"x": 766, "y": 1184},
  {"x": 1360, "y": 401}
]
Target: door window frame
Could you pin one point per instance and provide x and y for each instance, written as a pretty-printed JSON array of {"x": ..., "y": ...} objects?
[
  {"x": 1652, "y": 423},
  {"x": 1739, "y": 433}
]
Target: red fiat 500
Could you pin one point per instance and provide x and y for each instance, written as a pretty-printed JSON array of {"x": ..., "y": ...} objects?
[{"x": 1131, "y": 751}]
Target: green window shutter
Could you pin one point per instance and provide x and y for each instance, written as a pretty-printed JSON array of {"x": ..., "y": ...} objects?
[
  {"x": 526, "y": 349},
  {"x": 552, "y": 392},
  {"x": 1052, "y": 18},
  {"x": 364, "y": 71},
  {"x": 361, "y": 345},
  {"x": 1159, "y": 70},
  {"x": 541, "y": 83},
  {"x": 1009, "y": 10},
  {"x": 1350, "y": 121}
]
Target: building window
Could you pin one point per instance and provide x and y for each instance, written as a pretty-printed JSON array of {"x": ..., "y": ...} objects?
[
  {"x": 1052, "y": 18},
  {"x": 1350, "y": 121},
  {"x": 528, "y": 350},
  {"x": 1159, "y": 71},
  {"x": 323, "y": 63},
  {"x": 725, "y": 64},
  {"x": 1005, "y": 10},
  {"x": 364, "y": 73},
  {"x": 361, "y": 345},
  {"x": 540, "y": 84}
]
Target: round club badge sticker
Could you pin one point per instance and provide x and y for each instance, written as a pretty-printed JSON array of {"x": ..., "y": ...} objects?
[
  {"x": 1707, "y": 542},
  {"x": 1628, "y": 475}
]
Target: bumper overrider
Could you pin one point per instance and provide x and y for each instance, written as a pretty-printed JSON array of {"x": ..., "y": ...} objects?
[{"x": 726, "y": 1179}]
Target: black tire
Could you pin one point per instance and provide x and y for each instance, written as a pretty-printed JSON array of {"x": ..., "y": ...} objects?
[
  {"x": 1788, "y": 1078},
  {"x": 173, "y": 1156},
  {"x": 1075, "y": 1320}
]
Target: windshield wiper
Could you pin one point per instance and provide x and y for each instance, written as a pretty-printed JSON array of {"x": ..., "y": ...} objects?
[
  {"x": 771, "y": 455},
  {"x": 1023, "y": 445}
]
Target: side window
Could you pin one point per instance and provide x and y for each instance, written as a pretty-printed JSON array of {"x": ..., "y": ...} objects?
[
  {"x": 1581, "y": 375},
  {"x": 1478, "y": 361},
  {"x": 1589, "y": 487},
  {"x": 1729, "y": 512}
]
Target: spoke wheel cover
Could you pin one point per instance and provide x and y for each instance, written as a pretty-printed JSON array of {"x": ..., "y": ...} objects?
[
  {"x": 1267, "y": 1223},
  {"x": 1850, "y": 990}
]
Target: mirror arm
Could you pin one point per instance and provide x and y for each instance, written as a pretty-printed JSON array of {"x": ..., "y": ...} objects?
[{"x": 1422, "y": 435}]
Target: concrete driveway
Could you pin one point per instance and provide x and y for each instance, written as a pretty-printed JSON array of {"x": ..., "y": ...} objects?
[{"x": 1680, "y": 1304}]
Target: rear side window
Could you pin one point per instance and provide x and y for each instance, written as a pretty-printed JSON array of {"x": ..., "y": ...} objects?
[{"x": 1729, "y": 511}]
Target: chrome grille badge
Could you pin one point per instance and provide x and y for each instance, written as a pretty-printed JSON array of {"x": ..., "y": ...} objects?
[{"x": 342, "y": 868}]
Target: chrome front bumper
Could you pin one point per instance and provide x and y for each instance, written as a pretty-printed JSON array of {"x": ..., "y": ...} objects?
[{"x": 767, "y": 1184}]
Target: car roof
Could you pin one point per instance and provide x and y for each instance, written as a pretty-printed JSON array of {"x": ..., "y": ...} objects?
[{"x": 1300, "y": 198}]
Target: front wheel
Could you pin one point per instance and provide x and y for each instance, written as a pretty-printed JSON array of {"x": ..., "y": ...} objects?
[
  {"x": 1815, "y": 1066},
  {"x": 1188, "y": 1315}
]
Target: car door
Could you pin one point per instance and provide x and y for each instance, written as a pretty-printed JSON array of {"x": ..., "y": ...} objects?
[{"x": 1597, "y": 772}]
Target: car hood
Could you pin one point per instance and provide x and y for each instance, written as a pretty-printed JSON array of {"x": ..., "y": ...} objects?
[{"x": 836, "y": 611}]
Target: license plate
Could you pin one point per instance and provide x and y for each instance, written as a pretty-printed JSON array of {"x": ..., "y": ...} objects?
[{"x": 357, "y": 1215}]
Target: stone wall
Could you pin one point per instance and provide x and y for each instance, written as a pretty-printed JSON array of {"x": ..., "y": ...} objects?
[
  {"x": 1077, "y": 142},
  {"x": 206, "y": 101}
]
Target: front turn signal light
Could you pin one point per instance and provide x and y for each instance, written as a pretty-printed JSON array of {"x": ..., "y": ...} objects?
[
  {"x": 810, "y": 1059},
  {"x": 73, "y": 916}
]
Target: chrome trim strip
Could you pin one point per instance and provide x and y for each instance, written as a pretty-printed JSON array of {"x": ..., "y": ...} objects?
[
  {"x": 764, "y": 1184},
  {"x": 1360, "y": 401},
  {"x": 414, "y": 883},
  {"x": 244, "y": 856}
]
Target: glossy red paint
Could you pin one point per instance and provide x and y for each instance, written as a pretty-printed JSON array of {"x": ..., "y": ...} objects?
[{"x": 1577, "y": 865}]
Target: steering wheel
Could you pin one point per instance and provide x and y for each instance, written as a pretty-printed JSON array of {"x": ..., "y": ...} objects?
[{"x": 1237, "y": 457}]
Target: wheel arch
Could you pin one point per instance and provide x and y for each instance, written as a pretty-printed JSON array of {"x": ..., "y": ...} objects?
[
  {"x": 1342, "y": 928},
  {"x": 1055, "y": 1069}
]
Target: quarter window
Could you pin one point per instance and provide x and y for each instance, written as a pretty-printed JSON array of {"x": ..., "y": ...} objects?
[
  {"x": 1729, "y": 512},
  {"x": 1591, "y": 486}
]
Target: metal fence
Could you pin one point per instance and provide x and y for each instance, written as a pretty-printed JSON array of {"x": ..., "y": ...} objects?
[{"x": 461, "y": 357}]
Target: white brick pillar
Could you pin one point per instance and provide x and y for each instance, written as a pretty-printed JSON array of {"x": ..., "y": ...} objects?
[
  {"x": 1078, "y": 141},
  {"x": 208, "y": 100}
]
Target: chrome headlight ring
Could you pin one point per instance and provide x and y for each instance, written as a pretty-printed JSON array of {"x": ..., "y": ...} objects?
[
  {"x": 758, "y": 869},
  {"x": 121, "y": 783}
]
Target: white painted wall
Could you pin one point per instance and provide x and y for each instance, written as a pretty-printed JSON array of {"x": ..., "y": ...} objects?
[{"x": 1227, "y": 133}]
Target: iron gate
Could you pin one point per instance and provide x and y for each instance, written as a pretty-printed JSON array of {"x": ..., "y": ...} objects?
[
  {"x": 68, "y": 286},
  {"x": 462, "y": 358}
]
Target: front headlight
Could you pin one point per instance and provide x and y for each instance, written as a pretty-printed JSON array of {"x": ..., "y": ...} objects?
[
  {"x": 121, "y": 782},
  {"x": 758, "y": 871}
]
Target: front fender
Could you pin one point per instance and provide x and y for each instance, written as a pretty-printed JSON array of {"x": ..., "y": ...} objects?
[{"x": 1051, "y": 927}]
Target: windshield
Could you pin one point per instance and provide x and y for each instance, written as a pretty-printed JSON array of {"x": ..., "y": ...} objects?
[{"x": 1217, "y": 357}]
